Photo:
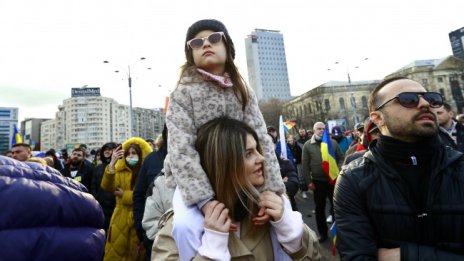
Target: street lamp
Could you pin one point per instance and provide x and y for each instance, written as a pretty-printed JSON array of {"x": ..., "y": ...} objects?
[
  {"x": 129, "y": 81},
  {"x": 348, "y": 69}
]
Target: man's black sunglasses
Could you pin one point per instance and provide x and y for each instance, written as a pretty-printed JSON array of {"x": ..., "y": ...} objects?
[{"x": 411, "y": 99}]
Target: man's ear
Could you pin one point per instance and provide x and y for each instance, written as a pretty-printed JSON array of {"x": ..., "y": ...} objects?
[{"x": 377, "y": 118}]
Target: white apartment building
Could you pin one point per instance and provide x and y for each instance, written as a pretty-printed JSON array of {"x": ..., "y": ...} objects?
[
  {"x": 48, "y": 134},
  {"x": 93, "y": 120},
  {"x": 267, "y": 64}
]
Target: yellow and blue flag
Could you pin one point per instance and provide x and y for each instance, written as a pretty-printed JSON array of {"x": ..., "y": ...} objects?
[
  {"x": 16, "y": 136},
  {"x": 333, "y": 232},
  {"x": 329, "y": 163}
]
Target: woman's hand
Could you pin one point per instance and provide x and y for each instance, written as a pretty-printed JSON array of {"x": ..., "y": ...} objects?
[
  {"x": 118, "y": 192},
  {"x": 217, "y": 217},
  {"x": 262, "y": 217},
  {"x": 118, "y": 153},
  {"x": 273, "y": 204}
]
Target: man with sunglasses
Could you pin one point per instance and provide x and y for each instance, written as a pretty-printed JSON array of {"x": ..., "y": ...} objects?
[{"x": 404, "y": 198}]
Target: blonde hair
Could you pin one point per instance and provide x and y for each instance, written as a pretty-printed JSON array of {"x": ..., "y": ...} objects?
[
  {"x": 38, "y": 160},
  {"x": 158, "y": 142},
  {"x": 49, "y": 161},
  {"x": 223, "y": 160}
]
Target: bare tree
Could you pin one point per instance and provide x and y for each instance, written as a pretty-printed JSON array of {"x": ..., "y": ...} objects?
[{"x": 271, "y": 110}]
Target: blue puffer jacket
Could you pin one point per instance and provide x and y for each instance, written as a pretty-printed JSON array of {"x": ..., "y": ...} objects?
[{"x": 45, "y": 216}]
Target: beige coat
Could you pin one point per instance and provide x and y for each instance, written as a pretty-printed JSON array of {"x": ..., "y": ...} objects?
[
  {"x": 245, "y": 248},
  {"x": 156, "y": 205}
]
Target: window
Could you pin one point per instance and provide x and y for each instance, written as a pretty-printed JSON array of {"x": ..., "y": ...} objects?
[
  {"x": 440, "y": 79},
  {"x": 327, "y": 104},
  {"x": 364, "y": 101},
  {"x": 442, "y": 92},
  {"x": 342, "y": 103},
  {"x": 353, "y": 102}
]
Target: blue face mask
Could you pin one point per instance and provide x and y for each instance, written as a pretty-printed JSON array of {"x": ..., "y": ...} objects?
[{"x": 132, "y": 161}]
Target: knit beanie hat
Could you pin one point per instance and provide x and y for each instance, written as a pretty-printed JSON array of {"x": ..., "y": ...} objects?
[{"x": 214, "y": 25}]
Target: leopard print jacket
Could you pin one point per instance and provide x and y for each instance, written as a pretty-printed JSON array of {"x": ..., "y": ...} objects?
[{"x": 193, "y": 103}]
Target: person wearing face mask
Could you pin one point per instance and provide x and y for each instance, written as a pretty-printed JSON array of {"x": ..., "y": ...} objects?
[{"x": 119, "y": 177}]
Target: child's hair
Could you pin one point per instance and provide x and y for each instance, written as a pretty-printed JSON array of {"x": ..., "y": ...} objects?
[
  {"x": 223, "y": 161},
  {"x": 240, "y": 87}
]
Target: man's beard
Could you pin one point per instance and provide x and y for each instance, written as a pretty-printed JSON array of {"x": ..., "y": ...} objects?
[
  {"x": 75, "y": 162},
  {"x": 317, "y": 137},
  {"x": 411, "y": 128}
]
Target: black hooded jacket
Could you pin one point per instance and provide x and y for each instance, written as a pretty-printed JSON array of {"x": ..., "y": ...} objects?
[{"x": 107, "y": 200}]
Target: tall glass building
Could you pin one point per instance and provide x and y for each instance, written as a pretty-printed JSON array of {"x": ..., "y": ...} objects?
[
  {"x": 267, "y": 64},
  {"x": 8, "y": 118}
]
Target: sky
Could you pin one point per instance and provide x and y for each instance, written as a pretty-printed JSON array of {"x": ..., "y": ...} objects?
[{"x": 48, "y": 47}]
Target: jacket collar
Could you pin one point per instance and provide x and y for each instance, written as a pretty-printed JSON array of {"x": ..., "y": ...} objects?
[
  {"x": 243, "y": 247},
  {"x": 443, "y": 157},
  {"x": 313, "y": 139}
]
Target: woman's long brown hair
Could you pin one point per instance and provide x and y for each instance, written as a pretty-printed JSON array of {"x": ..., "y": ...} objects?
[{"x": 221, "y": 144}]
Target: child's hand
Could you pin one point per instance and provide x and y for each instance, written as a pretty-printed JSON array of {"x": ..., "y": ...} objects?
[
  {"x": 217, "y": 217},
  {"x": 273, "y": 205},
  {"x": 207, "y": 206},
  {"x": 262, "y": 217}
]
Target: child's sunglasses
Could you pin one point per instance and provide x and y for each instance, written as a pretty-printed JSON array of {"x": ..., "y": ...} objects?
[
  {"x": 411, "y": 99},
  {"x": 197, "y": 43}
]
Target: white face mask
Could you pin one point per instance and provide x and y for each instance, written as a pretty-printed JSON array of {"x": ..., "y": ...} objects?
[{"x": 132, "y": 160}]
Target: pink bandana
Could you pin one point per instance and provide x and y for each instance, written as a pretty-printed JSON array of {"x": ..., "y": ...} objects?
[{"x": 222, "y": 81}]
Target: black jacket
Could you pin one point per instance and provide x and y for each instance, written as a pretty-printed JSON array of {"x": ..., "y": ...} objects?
[
  {"x": 296, "y": 152},
  {"x": 287, "y": 169},
  {"x": 151, "y": 167},
  {"x": 107, "y": 200},
  {"x": 373, "y": 210},
  {"x": 448, "y": 140},
  {"x": 84, "y": 174}
]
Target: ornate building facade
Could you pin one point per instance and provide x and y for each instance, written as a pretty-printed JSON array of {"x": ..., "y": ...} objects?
[
  {"x": 342, "y": 102},
  {"x": 346, "y": 103},
  {"x": 445, "y": 76}
]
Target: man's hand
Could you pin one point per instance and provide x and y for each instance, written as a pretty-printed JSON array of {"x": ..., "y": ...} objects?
[
  {"x": 217, "y": 217},
  {"x": 386, "y": 254}
]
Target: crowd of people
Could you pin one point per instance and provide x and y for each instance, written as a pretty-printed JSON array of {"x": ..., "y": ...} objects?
[{"x": 220, "y": 185}]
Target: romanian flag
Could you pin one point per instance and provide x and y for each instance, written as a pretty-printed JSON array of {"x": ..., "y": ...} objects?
[
  {"x": 333, "y": 232},
  {"x": 288, "y": 125},
  {"x": 16, "y": 137},
  {"x": 329, "y": 164}
]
